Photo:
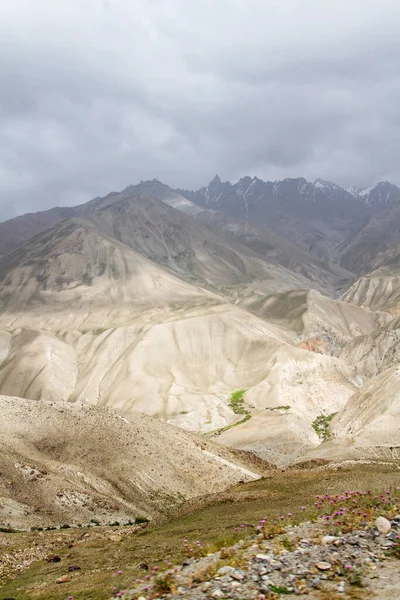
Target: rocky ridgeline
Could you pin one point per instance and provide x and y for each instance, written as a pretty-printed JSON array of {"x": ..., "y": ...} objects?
[{"x": 337, "y": 552}]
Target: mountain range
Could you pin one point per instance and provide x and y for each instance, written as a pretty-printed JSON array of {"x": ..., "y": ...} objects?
[{"x": 258, "y": 316}]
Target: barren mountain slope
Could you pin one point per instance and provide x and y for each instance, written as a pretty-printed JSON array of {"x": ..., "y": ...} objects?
[
  {"x": 74, "y": 266},
  {"x": 67, "y": 463},
  {"x": 370, "y": 419},
  {"x": 321, "y": 323},
  {"x": 380, "y": 289},
  {"x": 365, "y": 251},
  {"x": 371, "y": 354},
  {"x": 119, "y": 250},
  {"x": 16, "y": 231},
  {"x": 317, "y": 216},
  {"x": 264, "y": 241},
  {"x": 368, "y": 426},
  {"x": 87, "y": 317},
  {"x": 184, "y": 370},
  {"x": 111, "y": 309}
]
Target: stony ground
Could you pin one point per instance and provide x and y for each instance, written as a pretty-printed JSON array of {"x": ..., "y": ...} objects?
[
  {"x": 361, "y": 559},
  {"x": 118, "y": 556}
]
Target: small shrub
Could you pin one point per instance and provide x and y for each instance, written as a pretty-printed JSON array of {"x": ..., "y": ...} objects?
[
  {"x": 223, "y": 542},
  {"x": 237, "y": 402},
  {"x": 287, "y": 544},
  {"x": 65, "y": 526},
  {"x": 279, "y": 589},
  {"x": 165, "y": 582},
  {"x": 140, "y": 520},
  {"x": 321, "y": 425},
  {"x": 8, "y": 530},
  {"x": 395, "y": 552},
  {"x": 355, "y": 577}
]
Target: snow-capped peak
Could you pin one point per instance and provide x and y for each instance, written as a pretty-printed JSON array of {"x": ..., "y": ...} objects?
[
  {"x": 323, "y": 184},
  {"x": 382, "y": 192}
]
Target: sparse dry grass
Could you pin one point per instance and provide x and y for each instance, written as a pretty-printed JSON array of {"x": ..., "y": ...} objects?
[{"x": 212, "y": 522}]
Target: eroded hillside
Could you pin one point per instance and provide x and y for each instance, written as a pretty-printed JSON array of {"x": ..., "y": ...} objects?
[{"x": 137, "y": 307}]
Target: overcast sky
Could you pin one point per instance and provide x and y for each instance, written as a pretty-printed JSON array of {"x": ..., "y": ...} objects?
[{"x": 98, "y": 94}]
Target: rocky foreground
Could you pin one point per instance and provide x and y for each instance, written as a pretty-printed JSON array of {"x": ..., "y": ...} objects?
[{"x": 349, "y": 548}]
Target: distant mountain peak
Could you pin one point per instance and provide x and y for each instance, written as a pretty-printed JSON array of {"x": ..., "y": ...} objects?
[
  {"x": 323, "y": 183},
  {"x": 382, "y": 192},
  {"x": 215, "y": 181}
]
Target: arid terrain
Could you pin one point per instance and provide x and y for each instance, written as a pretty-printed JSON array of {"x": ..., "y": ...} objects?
[
  {"x": 158, "y": 347},
  {"x": 112, "y": 558},
  {"x": 154, "y": 301}
]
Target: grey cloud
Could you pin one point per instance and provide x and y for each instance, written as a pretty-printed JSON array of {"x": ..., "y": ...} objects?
[{"x": 99, "y": 94}]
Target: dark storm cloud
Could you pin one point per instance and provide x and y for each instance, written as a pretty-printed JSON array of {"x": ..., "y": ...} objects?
[{"x": 97, "y": 94}]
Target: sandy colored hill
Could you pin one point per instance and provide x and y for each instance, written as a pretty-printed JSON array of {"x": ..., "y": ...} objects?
[
  {"x": 371, "y": 417},
  {"x": 372, "y": 353},
  {"x": 368, "y": 425},
  {"x": 380, "y": 290},
  {"x": 68, "y": 463},
  {"x": 184, "y": 369},
  {"x": 135, "y": 306},
  {"x": 310, "y": 314}
]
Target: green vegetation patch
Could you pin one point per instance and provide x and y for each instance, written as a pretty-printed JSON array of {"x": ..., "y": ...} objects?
[
  {"x": 278, "y": 589},
  {"x": 238, "y": 406},
  {"x": 237, "y": 402},
  {"x": 227, "y": 427},
  {"x": 322, "y": 424}
]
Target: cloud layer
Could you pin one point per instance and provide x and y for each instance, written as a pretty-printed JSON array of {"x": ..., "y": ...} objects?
[{"x": 98, "y": 94}]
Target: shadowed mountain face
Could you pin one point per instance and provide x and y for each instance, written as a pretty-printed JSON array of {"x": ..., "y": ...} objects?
[
  {"x": 318, "y": 216},
  {"x": 15, "y": 232},
  {"x": 371, "y": 247},
  {"x": 132, "y": 249},
  {"x": 272, "y": 218}
]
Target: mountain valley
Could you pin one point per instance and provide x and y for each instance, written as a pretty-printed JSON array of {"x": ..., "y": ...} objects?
[{"x": 197, "y": 314}]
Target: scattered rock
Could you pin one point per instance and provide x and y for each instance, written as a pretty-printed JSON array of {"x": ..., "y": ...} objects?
[
  {"x": 383, "y": 525},
  {"x": 55, "y": 558},
  {"x": 63, "y": 579},
  {"x": 311, "y": 566},
  {"x": 237, "y": 574},
  {"x": 74, "y": 568},
  {"x": 236, "y": 584},
  {"x": 328, "y": 539},
  {"x": 275, "y": 564},
  {"x": 225, "y": 570},
  {"x": 263, "y": 557},
  {"x": 323, "y": 566}
]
